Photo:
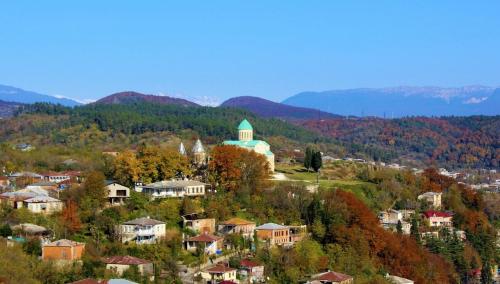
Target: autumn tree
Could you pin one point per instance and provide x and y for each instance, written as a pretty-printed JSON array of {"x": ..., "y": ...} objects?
[
  {"x": 233, "y": 167},
  {"x": 126, "y": 168},
  {"x": 69, "y": 217}
]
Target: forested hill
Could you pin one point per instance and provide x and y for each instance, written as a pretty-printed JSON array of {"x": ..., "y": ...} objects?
[
  {"x": 139, "y": 118},
  {"x": 451, "y": 142},
  {"x": 134, "y": 97},
  {"x": 456, "y": 142}
]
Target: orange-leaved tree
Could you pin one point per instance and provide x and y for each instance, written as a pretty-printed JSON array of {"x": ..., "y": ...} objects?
[{"x": 232, "y": 167}]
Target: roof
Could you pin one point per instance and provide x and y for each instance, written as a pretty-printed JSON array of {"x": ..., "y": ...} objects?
[
  {"x": 43, "y": 183},
  {"x": 430, "y": 193},
  {"x": 249, "y": 263},
  {"x": 245, "y": 125},
  {"x": 433, "y": 213},
  {"x": 227, "y": 282},
  {"x": 237, "y": 222},
  {"x": 247, "y": 144},
  {"x": 30, "y": 228},
  {"x": 399, "y": 280},
  {"x": 204, "y": 238},
  {"x": 42, "y": 199},
  {"x": 182, "y": 149},
  {"x": 144, "y": 221},
  {"x": 125, "y": 260},
  {"x": 198, "y": 147},
  {"x": 63, "y": 243},
  {"x": 219, "y": 269},
  {"x": 174, "y": 184},
  {"x": 331, "y": 276},
  {"x": 110, "y": 281},
  {"x": 271, "y": 226},
  {"x": 86, "y": 281}
]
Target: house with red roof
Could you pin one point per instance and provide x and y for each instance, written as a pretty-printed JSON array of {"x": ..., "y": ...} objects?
[
  {"x": 219, "y": 273},
  {"x": 119, "y": 264},
  {"x": 251, "y": 270},
  {"x": 209, "y": 243},
  {"x": 437, "y": 218},
  {"x": 331, "y": 277}
]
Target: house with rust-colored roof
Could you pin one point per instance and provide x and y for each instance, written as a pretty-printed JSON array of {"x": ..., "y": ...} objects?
[
  {"x": 331, "y": 277},
  {"x": 119, "y": 264},
  {"x": 209, "y": 243},
  {"x": 218, "y": 273},
  {"x": 251, "y": 270},
  {"x": 237, "y": 226}
]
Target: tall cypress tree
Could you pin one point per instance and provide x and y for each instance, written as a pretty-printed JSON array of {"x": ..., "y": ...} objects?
[
  {"x": 316, "y": 162},
  {"x": 414, "y": 230}
]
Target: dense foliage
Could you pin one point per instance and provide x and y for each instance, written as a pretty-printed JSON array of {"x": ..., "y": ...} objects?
[
  {"x": 456, "y": 142},
  {"x": 146, "y": 117}
]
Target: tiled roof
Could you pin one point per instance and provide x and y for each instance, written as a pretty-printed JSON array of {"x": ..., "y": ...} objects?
[
  {"x": 219, "y": 269},
  {"x": 205, "y": 238},
  {"x": 126, "y": 260},
  {"x": 174, "y": 184},
  {"x": 271, "y": 226},
  {"x": 144, "y": 222},
  {"x": 42, "y": 199},
  {"x": 331, "y": 276},
  {"x": 433, "y": 213},
  {"x": 63, "y": 243},
  {"x": 249, "y": 263},
  {"x": 237, "y": 221}
]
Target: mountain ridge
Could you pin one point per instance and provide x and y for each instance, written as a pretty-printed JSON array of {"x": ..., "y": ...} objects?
[
  {"x": 268, "y": 109},
  {"x": 403, "y": 101},
  {"x": 128, "y": 97},
  {"x": 18, "y": 95}
]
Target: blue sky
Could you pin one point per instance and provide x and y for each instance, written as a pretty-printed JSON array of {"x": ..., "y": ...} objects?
[{"x": 222, "y": 49}]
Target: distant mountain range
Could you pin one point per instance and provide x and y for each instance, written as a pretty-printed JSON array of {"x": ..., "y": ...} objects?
[
  {"x": 134, "y": 97},
  {"x": 382, "y": 102},
  {"x": 12, "y": 94},
  {"x": 267, "y": 109},
  {"x": 403, "y": 101}
]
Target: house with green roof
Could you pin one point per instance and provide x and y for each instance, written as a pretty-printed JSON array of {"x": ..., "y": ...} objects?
[{"x": 245, "y": 140}]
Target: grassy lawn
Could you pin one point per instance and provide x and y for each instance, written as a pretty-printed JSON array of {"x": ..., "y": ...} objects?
[{"x": 365, "y": 191}]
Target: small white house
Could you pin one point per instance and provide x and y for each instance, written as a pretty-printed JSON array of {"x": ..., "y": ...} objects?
[
  {"x": 173, "y": 188},
  {"x": 120, "y": 264},
  {"x": 43, "y": 204},
  {"x": 210, "y": 244},
  {"x": 142, "y": 230},
  {"x": 117, "y": 194},
  {"x": 219, "y": 273}
]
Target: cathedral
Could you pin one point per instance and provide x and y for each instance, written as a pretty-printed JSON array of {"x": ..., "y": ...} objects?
[{"x": 245, "y": 140}]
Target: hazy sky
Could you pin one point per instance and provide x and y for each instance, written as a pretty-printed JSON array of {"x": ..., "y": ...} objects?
[{"x": 221, "y": 49}]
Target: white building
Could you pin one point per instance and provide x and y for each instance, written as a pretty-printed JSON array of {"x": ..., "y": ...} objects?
[
  {"x": 219, "y": 273},
  {"x": 142, "y": 230},
  {"x": 433, "y": 198},
  {"x": 174, "y": 188},
  {"x": 117, "y": 194},
  {"x": 43, "y": 204}
]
